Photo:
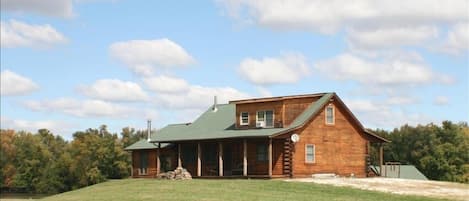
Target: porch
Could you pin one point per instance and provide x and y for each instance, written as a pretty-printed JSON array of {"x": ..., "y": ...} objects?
[{"x": 258, "y": 157}]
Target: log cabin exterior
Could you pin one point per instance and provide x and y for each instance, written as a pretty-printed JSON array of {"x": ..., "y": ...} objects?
[{"x": 253, "y": 138}]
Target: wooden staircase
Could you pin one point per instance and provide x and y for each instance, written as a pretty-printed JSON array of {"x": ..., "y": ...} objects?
[{"x": 287, "y": 158}]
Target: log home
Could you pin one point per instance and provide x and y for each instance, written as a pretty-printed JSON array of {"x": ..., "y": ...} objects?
[{"x": 288, "y": 136}]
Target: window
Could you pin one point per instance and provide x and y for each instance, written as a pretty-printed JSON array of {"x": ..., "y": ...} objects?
[
  {"x": 267, "y": 117},
  {"x": 244, "y": 118},
  {"x": 330, "y": 114},
  {"x": 143, "y": 163},
  {"x": 310, "y": 156},
  {"x": 261, "y": 152}
]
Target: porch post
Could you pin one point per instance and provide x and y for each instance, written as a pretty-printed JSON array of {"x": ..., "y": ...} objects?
[
  {"x": 245, "y": 158},
  {"x": 199, "y": 162},
  {"x": 179, "y": 156},
  {"x": 132, "y": 164},
  {"x": 220, "y": 159},
  {"x": 270, "y": 157},
  {"x": 381, "y": 159},
  {"x": 158, "y": 164}
]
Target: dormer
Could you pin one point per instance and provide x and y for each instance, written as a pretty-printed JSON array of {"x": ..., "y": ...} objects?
[{"x": 273, "y": 112}]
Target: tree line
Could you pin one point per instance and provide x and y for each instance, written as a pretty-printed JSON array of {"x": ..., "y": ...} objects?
[
  {"x": 440, "y": 152},
  {"x": 46, "y": 163}
]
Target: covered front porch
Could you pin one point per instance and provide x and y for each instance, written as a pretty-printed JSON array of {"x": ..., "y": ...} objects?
[{"x": 250, "y": 157}]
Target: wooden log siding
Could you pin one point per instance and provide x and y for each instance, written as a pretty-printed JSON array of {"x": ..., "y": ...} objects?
[
  {"x": 285, "y": 111},
  {"x": 294, "y": 107},
  {"x": 339, "y": 148},
  {"x": 151, "y": 165},
  {"x": 277, "y": 157},
  {"x": 252, "y": 109}
]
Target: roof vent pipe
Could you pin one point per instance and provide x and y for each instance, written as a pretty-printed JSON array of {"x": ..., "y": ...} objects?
[
  {"x": 148, "y": 130},
  {"x": 214, "y": 108}
]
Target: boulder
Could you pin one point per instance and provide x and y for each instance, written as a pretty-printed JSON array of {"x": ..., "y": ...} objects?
[{"x": 178, "y": 174}]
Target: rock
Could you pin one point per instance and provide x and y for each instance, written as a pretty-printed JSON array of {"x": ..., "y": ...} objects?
[{"x": 178, "y": 174}]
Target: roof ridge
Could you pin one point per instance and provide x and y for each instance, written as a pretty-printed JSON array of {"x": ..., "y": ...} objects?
[{"x": 273, "y": 98}]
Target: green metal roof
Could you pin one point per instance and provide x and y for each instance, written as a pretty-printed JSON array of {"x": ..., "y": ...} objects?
[
  {"x": 221, "y": 125},
  {"x": 402, "y": 171},
  {"x": 144, "y": 144}
]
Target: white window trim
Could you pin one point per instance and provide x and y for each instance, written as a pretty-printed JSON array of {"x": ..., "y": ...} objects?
[
  {"x": 265, "y": 118},
  {"x": 333, "y": 114},
  {"x": 241, "y": 119},
  {"x": 306, "y": 153}
]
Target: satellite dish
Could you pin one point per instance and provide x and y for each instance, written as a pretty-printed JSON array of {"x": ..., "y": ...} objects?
[{"x": 295, "y": 138}]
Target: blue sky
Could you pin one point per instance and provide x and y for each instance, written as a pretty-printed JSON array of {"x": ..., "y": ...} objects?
[{"x": 71, "y": 65}]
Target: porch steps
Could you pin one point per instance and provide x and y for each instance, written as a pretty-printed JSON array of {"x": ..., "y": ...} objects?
[{"x": 287, "y": 157}]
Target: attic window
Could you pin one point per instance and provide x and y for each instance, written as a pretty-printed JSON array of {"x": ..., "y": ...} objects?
[
  {"x": 330, "y": 119},
  {"x": 244, "y": 118}
]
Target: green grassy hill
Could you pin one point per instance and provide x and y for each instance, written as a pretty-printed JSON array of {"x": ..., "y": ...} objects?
[{"x": 200, "y": 189}]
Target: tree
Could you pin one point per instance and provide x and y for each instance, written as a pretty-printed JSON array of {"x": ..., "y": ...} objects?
[
  {"x": 440, "y": 152},
  {"x": 7, "y": 154}
]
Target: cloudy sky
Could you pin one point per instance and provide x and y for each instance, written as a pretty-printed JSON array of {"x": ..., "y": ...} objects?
[{"x": 69, "y": 65}]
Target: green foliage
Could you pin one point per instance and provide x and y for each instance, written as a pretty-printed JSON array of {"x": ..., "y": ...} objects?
[
  {"x": 439, "y": 152},
  {"x": 45, "y": 163}
]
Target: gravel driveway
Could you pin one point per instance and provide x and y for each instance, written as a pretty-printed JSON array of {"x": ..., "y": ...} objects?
[{"x": 437, "y": 189}]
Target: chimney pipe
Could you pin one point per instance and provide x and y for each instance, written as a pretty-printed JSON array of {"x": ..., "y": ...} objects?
[
  {"x": 214, "y": 108},
  {"x": 148, "y": 130}
]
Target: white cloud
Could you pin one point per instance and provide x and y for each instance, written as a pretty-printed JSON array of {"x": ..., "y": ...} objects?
[
  {"x": 145, "y": 56},
  {"x": 390, "y": 72},
  {"x": 401, "y": 100},
  {"x": 199, "y": 97},
  {"x": 441, "y": 100},
  {"x": 369, "y": 25},
  {"x": 13, "y": 84},
  {"x": 329, "y": 16},
  {"x": 166, "y": 84},
  {"x": 56, "y": 127},
  {"x": 379, "y": 38},
  {"x": 114, "y": 90},
  {"x": 56, "y": 8},
  {"x": 458, "y": 39},
  {"x": 289, "y": 68},
  {"x": 382, "y": 115},
  {"x": 264, "y": 92},
  {"x": 85, "y": 108},
  {"x": 19, "y": 34}
]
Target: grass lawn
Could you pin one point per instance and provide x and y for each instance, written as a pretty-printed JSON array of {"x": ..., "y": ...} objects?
[{"x": 200, "y": 189}]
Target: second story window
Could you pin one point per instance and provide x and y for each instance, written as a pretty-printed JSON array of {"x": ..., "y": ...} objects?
[
  {"x": 330, "y": 114},
  {"x": 244, "y": 118},
  {"x": 265, "y": 118}
]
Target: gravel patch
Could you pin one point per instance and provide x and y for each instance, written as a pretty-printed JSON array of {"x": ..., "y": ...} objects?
[{"x": 437, "y": 189}]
